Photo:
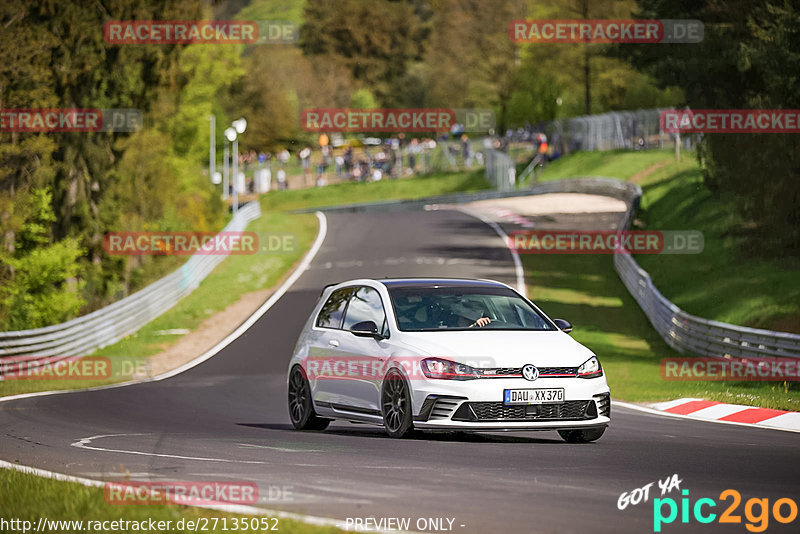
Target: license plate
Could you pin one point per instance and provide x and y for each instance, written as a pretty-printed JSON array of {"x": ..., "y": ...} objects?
[{"x": 533, "y": 396}]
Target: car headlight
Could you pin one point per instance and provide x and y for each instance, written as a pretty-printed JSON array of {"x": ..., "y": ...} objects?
[
  {"x": 591, "y": 368},
  {"x": 447, "y": 370}
]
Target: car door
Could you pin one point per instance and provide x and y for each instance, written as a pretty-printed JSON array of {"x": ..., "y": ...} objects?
[
  {"x": 367, "y": 355},
  {"x": 323, "y": 342}
]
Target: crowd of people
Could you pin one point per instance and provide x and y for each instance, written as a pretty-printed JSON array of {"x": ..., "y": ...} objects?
[{"x": 372, "y": 159}]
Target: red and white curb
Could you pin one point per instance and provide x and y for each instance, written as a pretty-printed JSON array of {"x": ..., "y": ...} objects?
[{"x": 730, "y": 413}]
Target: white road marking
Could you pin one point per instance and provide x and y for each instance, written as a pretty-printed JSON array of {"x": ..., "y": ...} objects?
[
  {"x": 520, "y": 273},
  {"x": 279, "y": 449},
  {"x": 83, "y": 443},
  {"x": 229, "y": 508}
]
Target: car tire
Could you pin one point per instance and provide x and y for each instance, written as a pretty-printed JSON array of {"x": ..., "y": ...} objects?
[
  {"x": 581, "y": 436},
  {"x": 301, "y": 409},
  {"x": 396, "y": 405}
]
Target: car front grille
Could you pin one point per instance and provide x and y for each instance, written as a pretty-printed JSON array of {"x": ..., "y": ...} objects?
[
  {"x": 544, "y": 372},
  {"x": 497, "y": 411}
]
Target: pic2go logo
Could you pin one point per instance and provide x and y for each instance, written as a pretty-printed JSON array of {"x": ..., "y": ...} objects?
[{"x": 756, "y": 511}]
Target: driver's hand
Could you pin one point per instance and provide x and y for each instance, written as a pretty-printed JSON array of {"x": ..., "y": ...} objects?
[{"x": 483, "y": 321}]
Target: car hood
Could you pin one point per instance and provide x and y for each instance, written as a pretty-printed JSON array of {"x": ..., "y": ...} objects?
[{"x": 487, "y": 348}]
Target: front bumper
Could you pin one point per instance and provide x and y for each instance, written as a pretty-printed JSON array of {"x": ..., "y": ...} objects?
[{"x": 477, "y": 405}]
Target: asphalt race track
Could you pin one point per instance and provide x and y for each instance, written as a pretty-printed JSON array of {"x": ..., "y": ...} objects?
[{"x": 226, "y": 420}]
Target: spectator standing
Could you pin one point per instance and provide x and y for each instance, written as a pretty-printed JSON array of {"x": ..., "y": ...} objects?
[
  {"x": 339, "y": 165},
  {"x": 283, "y": 158},
  {"x": 305, "y": 163},
  {"x": 348, "y": 160},
  {"x": 413, "y": 151},
  {"x": 466, "y": 151}
]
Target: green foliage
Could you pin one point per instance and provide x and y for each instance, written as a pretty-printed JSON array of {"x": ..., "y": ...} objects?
[
  {"x": 274, "y": 10},
  {"x": 52, "y": 54},
  {"x": 43, "y": 290},
  {"x": 39, "y": 286},
  {"x": 551, "y": 71},
  {"x": 207, "y": 72},
  {"x": 372, "y": 39},
  {"x": 748, "y": 59},
  {"x": 363, "y": 99}
]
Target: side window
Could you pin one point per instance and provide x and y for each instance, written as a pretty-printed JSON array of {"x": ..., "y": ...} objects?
[
  {"x": 330, "y": 316},
  {"x": 365, "y": 305},
  {"x": 528, "y": 319}
]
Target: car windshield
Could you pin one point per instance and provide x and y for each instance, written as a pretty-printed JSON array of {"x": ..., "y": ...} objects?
[{"x": 421, "y": 309}]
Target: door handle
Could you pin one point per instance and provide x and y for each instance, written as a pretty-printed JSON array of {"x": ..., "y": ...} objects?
[{"x": 333, "y": 343}]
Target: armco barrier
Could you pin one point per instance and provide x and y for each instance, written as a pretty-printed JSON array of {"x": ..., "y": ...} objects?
[
  {"x": 102, "y": 327},
  {"x": 686, "y": 333}
]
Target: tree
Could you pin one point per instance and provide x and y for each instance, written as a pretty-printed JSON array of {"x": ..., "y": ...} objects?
[
  {"x": 363, "y": 99},
  {"x": 748, "y": 59},
  {"x": 373, "y": 39},
  {"x": 39, "y": 279}
]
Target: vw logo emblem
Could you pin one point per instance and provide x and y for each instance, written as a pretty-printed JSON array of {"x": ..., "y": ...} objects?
[{"x": 530, "y": 372}]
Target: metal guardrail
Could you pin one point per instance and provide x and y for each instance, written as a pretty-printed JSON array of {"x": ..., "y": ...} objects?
[
  {"x": 608, "y": 131},
  {"x": 684, "y": 332},
  {"x": 107, "y": 325},
  {"x": 689, "y": 334}
]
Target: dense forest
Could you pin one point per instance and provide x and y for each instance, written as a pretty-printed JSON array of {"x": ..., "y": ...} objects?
[{"x": 60, "y": 192}]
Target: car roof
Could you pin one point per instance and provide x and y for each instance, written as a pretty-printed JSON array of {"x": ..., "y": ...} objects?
[
  {"x": 392, "y": 283},
  {"x": 410, "y": 282}
]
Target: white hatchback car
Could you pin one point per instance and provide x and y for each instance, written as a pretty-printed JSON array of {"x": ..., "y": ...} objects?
[{"x": 443, "y": 354}]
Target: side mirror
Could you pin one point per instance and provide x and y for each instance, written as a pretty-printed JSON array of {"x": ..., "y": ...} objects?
[
  {"x": 365, "y": 329},
  {"x": 563, "y": 325}
]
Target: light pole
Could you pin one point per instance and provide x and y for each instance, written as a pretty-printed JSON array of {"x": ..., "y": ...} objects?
[
  {"x": 212, "y": 150},
  {"x": 232, "y": 134},
  {"x": 229, "y": 134}
]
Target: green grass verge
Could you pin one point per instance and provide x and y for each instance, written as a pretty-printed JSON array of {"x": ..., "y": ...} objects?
[
  {"x": 725, "y": 282},
  {"x": 586, "y": 290},
  {"x": 721, "y": 283},
  {"x": 386, "y": 189},
  {"x": 622, "y": 164},
  {"x": 234, "y": 277},
  {"x": 29, "y": 497}
]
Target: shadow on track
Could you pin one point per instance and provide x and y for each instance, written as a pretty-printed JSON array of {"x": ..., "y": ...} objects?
[{"x": 377, "y": 432}]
